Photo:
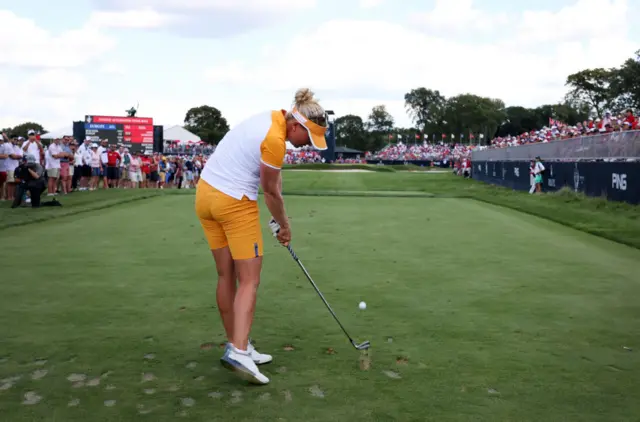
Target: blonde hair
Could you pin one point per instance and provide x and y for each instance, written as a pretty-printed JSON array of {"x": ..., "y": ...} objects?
[{"x": 309, "y": 107}]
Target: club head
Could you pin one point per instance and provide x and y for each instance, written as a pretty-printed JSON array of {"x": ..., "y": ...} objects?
[{"x": 362, "y": 346}]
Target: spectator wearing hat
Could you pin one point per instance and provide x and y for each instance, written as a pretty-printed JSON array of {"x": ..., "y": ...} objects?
[
  {"x": 29, "y": 176},
  {"x": 66, "y": 165},
  {"x": 33, "y": 146},
  {"x": 135, "y": 175}
]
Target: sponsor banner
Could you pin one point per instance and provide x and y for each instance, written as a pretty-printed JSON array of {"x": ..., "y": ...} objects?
[{"x": 617, "y": 181}]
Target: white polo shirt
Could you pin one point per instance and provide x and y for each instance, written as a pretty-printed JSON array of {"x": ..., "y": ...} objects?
[
  {"x": 234, "y": 167},
  {"x": 51, "y": 161}
]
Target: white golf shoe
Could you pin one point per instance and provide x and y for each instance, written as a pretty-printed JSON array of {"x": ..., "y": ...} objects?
[
  {"x": 258, "y": 358},
  {"x": 241, "y": 362}
]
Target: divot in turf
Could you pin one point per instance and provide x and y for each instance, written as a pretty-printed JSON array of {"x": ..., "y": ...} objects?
[
  {"x": 31, "y": 398},
  {"x": 39, "y": 374}
]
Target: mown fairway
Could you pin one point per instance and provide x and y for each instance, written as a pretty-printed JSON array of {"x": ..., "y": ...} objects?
[{"x": 475, "y": 312}]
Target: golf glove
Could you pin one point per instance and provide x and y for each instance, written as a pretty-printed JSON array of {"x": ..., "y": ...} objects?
[{"x": 274, "y": 226}]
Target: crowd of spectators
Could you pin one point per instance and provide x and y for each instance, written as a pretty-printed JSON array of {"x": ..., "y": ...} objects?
[
  {"x": 65, "y": 166},
  {"x": 557, "y": 130},
  {"x": 425, "y": 151}
]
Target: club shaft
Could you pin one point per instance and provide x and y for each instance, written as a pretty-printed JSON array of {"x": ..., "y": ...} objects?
[{"x": 304, "y": 270}]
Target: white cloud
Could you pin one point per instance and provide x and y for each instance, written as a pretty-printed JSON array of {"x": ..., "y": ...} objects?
[
  {"x": 370, "y": 4},
  {"x": 209, "y": 5},
  {"x": 376, "y": 62},
  {"x": 112, "y": 68},
  {"x": 457, "y": 15},
  {"x": 198, "y": 18},
  {"x": 141, "y": 19},
  {"x": 25, "y": 44}
]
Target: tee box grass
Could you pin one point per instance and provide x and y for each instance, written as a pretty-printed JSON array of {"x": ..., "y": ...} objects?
[{"x": 475, "y": 312}]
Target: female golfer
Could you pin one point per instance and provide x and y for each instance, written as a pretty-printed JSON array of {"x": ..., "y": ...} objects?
[{"x": 249, "y": 156}]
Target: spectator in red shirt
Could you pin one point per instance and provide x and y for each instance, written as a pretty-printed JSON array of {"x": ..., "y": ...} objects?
[
  {"x": 146, "y": 170},
  {"x": 630, "y": 118},
  {"x": 113, "y": 164}
]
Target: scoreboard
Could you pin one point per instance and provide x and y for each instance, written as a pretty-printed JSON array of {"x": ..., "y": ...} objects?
[{"x": 135, "y": 133}]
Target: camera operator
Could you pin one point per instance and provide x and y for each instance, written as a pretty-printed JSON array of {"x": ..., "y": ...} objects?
[{"x": 29, "y": 176}]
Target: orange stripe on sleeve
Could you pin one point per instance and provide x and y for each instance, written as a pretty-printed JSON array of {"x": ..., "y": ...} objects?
[{"x": 274, "y": 147}]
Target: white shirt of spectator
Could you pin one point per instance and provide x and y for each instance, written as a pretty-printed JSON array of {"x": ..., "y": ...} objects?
[
  {"x": 86, "y": 157},
  {"x": 51, "y": 161},
  {"x": 104, "y": 157},
  {"x": 5, "y": 148},
  {"x": 539, "y": 168},
  {"x": 32, "y": 149},
  {"x": 78, "y": 158},
  {"x": 11, "y": 165}
]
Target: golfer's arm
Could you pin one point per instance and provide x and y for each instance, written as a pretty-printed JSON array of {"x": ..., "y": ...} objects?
[{"x": 272, "y": 188}]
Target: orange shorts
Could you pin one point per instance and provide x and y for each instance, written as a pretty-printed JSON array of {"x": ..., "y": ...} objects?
[{"x": 229, "y": 222}]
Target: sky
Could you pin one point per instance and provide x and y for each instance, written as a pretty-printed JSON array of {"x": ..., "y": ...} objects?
[{"x": 60, "y": 61}]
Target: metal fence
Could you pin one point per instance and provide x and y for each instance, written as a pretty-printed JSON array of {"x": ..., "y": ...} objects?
[{"x": 614, "y": 145}]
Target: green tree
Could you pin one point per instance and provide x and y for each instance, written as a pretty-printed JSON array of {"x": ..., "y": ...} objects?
[
  {"x": 426, "y": 108},
  {"x": 592, "y": 87},
  {"x": 23, "y": 128},
  {"x": 380, "y": 125},
  {"x": 207, "y": 122},
  {"x": 471, "y": 113},
  {"x": 350, "y": 132},
  {"x": 625, "y": 85}
]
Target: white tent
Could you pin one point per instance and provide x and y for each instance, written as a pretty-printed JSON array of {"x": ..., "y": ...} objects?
[
  {"x": 180, "y": 135},
  {"x": 58, "y": 133}
]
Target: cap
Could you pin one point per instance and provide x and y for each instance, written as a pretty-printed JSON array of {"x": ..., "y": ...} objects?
[
  {"x": 94, "y": 145},
  {"x": 316, "y": 132},
  {"x": 31, "y": 132}
]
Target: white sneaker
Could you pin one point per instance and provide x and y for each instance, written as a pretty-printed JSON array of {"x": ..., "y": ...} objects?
[
  {"x": 240, "y": 362},
  {"x": 258, "y": 358}
]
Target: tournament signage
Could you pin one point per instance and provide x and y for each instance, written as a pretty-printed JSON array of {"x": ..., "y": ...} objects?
[{"x": 135, "y": 133}]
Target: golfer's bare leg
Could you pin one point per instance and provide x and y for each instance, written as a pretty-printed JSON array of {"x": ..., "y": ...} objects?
[
  {"x": 226, "y": 290},
  {"x": 248, "y": 271}
]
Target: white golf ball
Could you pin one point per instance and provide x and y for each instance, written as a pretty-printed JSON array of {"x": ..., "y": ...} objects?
[{"x": 362, "y": 305}]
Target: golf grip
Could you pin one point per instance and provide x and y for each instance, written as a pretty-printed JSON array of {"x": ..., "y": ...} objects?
[{"x": 293, "y": 254}]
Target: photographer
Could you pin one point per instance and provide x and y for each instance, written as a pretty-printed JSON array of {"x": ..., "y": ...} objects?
[{"x": 29, "y": 176}]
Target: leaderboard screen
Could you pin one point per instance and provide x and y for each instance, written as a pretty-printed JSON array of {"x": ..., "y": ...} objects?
[{"x": 135, "y": 133}]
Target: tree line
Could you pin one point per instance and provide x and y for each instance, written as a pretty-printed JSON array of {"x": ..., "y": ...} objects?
[{"x": 465, "y": 118}]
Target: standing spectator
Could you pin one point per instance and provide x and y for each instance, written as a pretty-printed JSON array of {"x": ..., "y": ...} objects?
[
  {"x": 85, "y": 173},
  {"x": 145, "y": 169},
  {"x": 153, "y": 168},
  {"x": 538, "y": 170},
  {"x": 6, "y": 148},
  {"x": 113, "y": 162},
  {"x": 11, "y": 164},
  {"x": 121, "y": 167},
  {"x": 179, "y": 173},
  {"x": 33, "y": 146},
  {"x": 532, "y": 176},
  {"x": 103, "y": 150},
  {"x": 77, "y": 167},
  {"x": 134, "y": 170},
  {"x": 96, "y": 166},
  {"x": 188, "y": 173},
  {"x": 53, "y": 156},
  {"x": 125, "y": 179},
  {"x": 65, "y": 166}
]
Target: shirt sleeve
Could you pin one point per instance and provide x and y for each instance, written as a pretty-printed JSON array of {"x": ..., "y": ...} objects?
[{"x": 272, "y": 151}]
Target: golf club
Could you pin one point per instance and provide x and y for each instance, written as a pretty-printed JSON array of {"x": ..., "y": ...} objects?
[{"x": 362, "y": 346}]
